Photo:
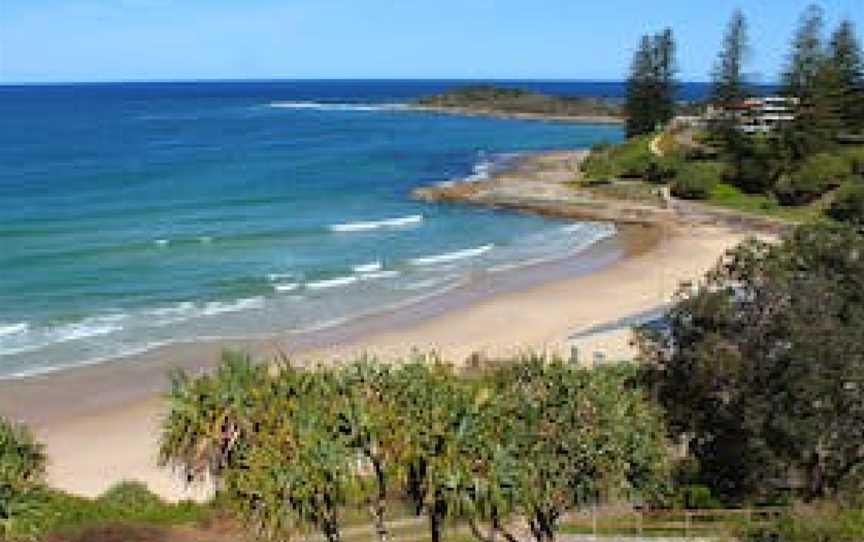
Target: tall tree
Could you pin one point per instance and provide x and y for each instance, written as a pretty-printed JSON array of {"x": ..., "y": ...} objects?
[
  {"x": 847, "y": 63},
  {"x": 667, "y": 67},
  {"x": 651, "y": 85},
  {"x": 727, "y": 77},
  {"x": 640, "y": 117},
  {"x": 811, "y": 78},
  {"x": 807, "y": 54}
]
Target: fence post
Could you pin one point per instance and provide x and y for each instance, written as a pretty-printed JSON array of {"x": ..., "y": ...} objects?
[{"x": 686, "y": 524}]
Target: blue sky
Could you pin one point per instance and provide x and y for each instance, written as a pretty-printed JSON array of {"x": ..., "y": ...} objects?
[{"x": 99, "y": 40}]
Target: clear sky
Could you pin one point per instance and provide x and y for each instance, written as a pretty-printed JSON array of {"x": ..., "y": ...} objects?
[{"x": 99, "y": 40}]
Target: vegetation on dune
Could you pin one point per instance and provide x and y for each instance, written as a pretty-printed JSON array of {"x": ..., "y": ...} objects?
[
  {"x": 29, "y": 509},
  {"x": 532, "y": 437},
  {"x": 629, "y": 160},
  {"x": 494, "y": 99}
]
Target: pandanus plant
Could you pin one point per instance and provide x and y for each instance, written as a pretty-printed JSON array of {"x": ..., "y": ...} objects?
[
  {"x": 530, "y": 438},
  {"x": 210, "y": 415}
]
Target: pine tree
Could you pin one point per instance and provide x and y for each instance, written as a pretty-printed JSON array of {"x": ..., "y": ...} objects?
[
  {"x": 666, "y": 66},
  {"x": 847, "y": 65},
  {"x": 727, "y": 78},
  {"x": 807, "y": 54},
  {"x": 810, "y": 78},
  {"x": 651, "y": 85},
  {"x": 640, "y": 85}
]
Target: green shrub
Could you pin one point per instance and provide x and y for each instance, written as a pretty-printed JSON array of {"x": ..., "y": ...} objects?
[
  {"x": 630, "y": 159},
  {"x": 22, "y": 459},
  {"x": 661, "y": 170},
  {"x": 848, "y": 205},
  {"x": 22, "y": 467},
  {"x": 816, "y": 176},
  {"x": 754, "y": 164},
  {"x": 696, "y": 180},
  {"x": 129, "y": 498},
  {"x": 855, "y": 157}
]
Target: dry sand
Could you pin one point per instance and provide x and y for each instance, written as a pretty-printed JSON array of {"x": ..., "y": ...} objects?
[{"x": 117, "y": 440}]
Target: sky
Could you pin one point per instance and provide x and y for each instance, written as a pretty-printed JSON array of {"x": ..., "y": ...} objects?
[{"x": 116, "y": 40}]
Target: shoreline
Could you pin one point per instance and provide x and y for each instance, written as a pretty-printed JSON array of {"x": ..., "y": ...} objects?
[
  {"x": 128, "y": 378},
  {"x": 118, "y": 405}
]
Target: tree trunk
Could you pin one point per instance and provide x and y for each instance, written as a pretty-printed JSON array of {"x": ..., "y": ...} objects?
[
  {"x": 331, "y": 522},
  {"x": 379, "y": 507},
  {"x": 543, "y": 526},
  {"x": 436, "y": 518},
  {"x": 434, "y": 526}
]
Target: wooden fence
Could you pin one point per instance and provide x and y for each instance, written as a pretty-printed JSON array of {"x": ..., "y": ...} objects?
[{"x": 673, "y": 523}]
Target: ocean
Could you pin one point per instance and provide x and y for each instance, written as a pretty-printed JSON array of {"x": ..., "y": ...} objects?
[{"x": 140, "y": 214}]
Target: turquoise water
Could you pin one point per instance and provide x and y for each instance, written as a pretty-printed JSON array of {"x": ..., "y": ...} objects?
[{"x": 139, "y": 215}]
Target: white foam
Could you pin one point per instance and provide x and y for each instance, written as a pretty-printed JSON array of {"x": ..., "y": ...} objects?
[
  {"x": 367, "y": 267},
  {"x": 380, "y": 275},
  {"x": 221, "y": 307},
  {"x": 286, "y": 287},
  {"x": 162, "y": 242},
  {"x": 323, "y": 106},
  {"x": 180, "y": 312},
  {"x": 7, "y": 330},
  {"x": 331, "y": 283},
  {"x": 398, "y": 222},
  {"x": 453, "y": 256},
  {"x": 276, "y": 277},
  {"x": 28, "y": 340},
  {"x": 481, "y": 169},
  {"x": 205, "y": 240}
]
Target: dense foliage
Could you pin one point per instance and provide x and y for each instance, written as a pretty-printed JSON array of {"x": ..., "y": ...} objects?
[
  {"x": 651, "y": 85},
  {"x": 762, "y": 365},
  {"x": 293, "y": 449},
  {"x": 696, "y": 180},
  {"x": 490, "y": 98}
]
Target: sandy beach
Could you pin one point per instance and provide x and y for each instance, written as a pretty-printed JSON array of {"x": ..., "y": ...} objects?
[{"x": 100, "y": 424}]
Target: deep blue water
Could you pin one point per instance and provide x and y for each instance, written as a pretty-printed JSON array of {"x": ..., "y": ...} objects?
[{"x": 133, "y": 215}]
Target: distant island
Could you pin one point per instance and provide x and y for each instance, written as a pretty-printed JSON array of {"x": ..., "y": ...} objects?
[{"x": 519, "y": 103}]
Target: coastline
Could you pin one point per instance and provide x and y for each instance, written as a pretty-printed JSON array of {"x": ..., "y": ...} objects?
[
  {"x": 117, "y": 404},
  {"x": 494, "y": 113}
]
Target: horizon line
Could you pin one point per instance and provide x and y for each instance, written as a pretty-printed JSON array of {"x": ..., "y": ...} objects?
[{"x": 329, "y": 79}]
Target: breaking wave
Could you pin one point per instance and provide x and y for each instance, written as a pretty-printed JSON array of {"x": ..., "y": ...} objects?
[
  {"x": 398, "y": 222},
  {"x": 448, "y": 257}
]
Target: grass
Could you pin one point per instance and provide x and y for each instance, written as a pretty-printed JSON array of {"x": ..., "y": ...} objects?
[{"x": 731, "y": 197}]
